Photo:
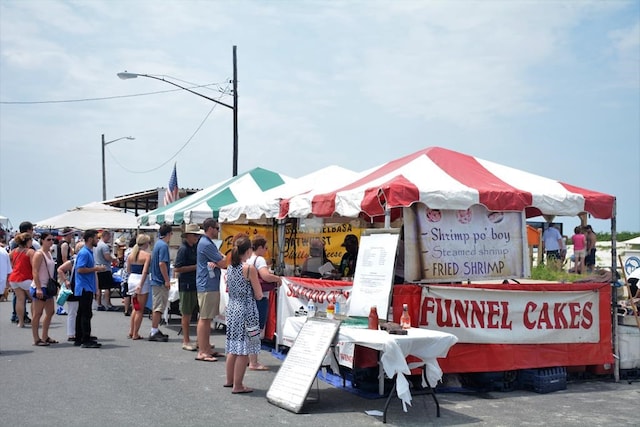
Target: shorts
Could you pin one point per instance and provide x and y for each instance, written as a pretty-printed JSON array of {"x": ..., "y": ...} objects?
[
  {"x": 25, "y": 285},
  {"x": 579, "y": 253},
  {"x": 160, "y": 298},
  {"x": 553, "y": 254},
  {"x": 32, "y": 292},
  {"x": 105, "y": 280},
  {"x": 209, "y": 303},
  {"x": 188, "y": 302}
]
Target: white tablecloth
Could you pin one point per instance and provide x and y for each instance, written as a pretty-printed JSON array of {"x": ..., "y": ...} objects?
[{"x": 423, "y": 344}]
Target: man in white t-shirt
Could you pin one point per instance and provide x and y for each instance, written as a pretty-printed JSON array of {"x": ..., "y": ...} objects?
[{"x": 552, "y": 243}]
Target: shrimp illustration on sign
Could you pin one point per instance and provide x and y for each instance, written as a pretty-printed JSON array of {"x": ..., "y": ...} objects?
[
  {"x": 464, "y": 216},
  {"x": 495, "y": 217},
  {"x": 434, "y": 215}
]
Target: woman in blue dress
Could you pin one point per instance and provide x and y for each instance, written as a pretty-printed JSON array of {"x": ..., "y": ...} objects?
[{"x": 243, "y": 329}]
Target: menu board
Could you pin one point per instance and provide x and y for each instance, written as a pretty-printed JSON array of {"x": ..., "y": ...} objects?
[
  {"x": 374, "y": 273},
  {"x": 295, "y": 377}
]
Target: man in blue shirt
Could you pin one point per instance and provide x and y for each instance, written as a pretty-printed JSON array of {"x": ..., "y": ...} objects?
[
  {"x": 209, "y": 263},
  {"x": 85, "y": 289},
  {"x": 160, "y": 282}
]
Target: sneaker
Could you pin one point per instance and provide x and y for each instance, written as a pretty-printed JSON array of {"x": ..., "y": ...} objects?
[
  {"x": 91, "y": 344},
  {"x": 158, "y": 336},
  {"x": 27, "y": 319},
  {"x": 112, "y": 308},
  {"x": 101, "y": 308},
  {"x": 14, "y": 320},
  {"x": 61, "y": 311}
]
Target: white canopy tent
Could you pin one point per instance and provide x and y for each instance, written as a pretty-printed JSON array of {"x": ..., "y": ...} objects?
[
  {"x": 92, "y": 215},
  {"x": 267, "y": 205}
]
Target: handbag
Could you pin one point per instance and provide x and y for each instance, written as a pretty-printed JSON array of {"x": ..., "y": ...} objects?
[
  {"x": 52, "y": 285},
  {"x": 63, "y": 295}
]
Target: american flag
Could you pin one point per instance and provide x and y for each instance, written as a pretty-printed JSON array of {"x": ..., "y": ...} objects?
[{"x": 171, "y": 195}]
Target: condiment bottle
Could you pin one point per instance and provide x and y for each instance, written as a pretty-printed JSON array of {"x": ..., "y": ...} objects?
[
  {"x": 331, "y": 310},
  {"x": 405, "y": 319},
  {"x": 373, "y": 317}
]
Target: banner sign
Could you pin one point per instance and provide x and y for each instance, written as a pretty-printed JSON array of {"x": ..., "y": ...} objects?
[
  {"x": 294, "y": 295},
  {"x": 461, "y": 245},
  {"x": 511, "y": 317}
]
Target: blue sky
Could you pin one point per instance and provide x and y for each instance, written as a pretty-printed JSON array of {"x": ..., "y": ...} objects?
[{"x": 550, "y": 87}]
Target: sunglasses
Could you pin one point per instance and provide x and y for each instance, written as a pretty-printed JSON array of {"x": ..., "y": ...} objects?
[{"x": 49, "y": 239}]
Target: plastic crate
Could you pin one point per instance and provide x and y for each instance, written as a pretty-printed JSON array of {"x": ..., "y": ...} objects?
[
  {"x": 543, "y": 380},
  {"x": 492, "y": 381}
]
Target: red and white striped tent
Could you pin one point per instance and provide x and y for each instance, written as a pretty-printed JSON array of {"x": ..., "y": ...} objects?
[{"x": 446, "y": 179}]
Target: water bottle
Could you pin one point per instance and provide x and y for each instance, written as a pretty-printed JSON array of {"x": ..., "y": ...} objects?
[
  {"x": 311, "y": 309},
  {"x": 212, "y": 272},
  {"x": 341, "y": 304}
]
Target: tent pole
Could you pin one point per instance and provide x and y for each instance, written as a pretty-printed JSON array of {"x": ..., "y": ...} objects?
[{"x": 614, "y": 297}]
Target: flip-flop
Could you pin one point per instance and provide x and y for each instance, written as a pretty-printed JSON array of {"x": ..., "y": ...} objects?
[
  {"x": 227, "y": 385},
  {"x": 41, "y": 343},
  {"x": 206, "y": 359},
  {"x": 216, "y": 354},
  {"x": 244, "y": 391},
  {"x": 136, "y": 338},
  {"x": 51, "y": 341},
  {"x": 259, "y": 368}
]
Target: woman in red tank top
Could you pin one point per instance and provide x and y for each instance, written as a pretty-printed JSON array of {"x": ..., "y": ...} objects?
[{"x": 21, "y": 277}]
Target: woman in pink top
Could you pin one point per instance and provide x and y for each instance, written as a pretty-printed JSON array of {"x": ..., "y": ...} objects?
[
  {"x": 579, "y": 248},
  {"x": 43, "y": 266}
]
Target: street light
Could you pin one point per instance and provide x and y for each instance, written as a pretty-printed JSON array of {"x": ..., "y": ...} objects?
[
  {"x": 104, "y": 173},
  {"x": 126, "y": 75}
]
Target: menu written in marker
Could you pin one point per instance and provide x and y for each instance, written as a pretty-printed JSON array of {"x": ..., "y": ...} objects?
[
  {"x": 295, "y": 377},
  {"x": 374, "y": 273}
]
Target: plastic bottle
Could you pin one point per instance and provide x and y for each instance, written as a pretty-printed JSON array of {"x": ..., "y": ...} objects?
[
  {"x": 331, "y": 310},
  {"x": 311, "y": 309},
  {"x": 373, "y": 317},
  {"x": 405, "y": 319},
  {"x": 340, "y": 304}
]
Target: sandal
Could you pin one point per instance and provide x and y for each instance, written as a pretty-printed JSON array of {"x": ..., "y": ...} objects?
[
  {"x": 137, "y": 337},
  {"x": 258, "y": 368},
  {"x": 41, "y": 343},
  {"x": 50, "y": 340}
]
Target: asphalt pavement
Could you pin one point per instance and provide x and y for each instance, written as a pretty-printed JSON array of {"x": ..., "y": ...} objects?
[{"x": 146, "y": 383}]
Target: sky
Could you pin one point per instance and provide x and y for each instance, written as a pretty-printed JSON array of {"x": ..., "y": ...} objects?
[{"x": 549, "y": 87}]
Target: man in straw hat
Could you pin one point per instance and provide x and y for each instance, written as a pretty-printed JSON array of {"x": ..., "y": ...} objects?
[{"x": 185, "y": 266}]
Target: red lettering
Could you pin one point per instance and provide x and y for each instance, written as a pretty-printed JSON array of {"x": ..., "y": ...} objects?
[
  {"x": 493, "y": 310},
  {"x": 477, "y": 313},
  {"x": 461, "y": 312},
  {"x": 506, "y": 323},
  {"x": 543, "y": 317},
  {"x": 574, "y": 312},
  {"x": 443, "y": 316},
  {"x": 587, "y": 316},
  {"x": 558, "y": 314},
  {"x": 529, "y": 308},
  {"x": 428, "y": 306}
]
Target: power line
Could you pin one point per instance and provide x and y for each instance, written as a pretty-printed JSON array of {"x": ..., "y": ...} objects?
[
  {"x": 106, "y": 98},
  {"x": 195, "y": 132}
]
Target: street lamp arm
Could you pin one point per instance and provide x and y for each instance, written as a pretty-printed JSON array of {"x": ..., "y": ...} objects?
[
  {"x": 124, "y": 137},
  {"x": 127, "y": 75}
]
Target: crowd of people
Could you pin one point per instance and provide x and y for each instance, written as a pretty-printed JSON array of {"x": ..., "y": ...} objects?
[
  {"x": 85, "y": 268},
  {"x": 584, "y": 248}
]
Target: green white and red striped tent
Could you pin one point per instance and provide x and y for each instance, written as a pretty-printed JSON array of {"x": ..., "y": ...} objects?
[{"x": 207, "y": 203}]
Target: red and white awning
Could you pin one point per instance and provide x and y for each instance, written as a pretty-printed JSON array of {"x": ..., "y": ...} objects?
[{"x": 445, "y": 179}]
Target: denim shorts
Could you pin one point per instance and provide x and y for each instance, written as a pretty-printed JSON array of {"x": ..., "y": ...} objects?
[{"x": 32, "y": 292}]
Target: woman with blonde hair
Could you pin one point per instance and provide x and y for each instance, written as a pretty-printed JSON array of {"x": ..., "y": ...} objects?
[
  {"x": 43, "y": 266},
  {"x": 138, "y": 263},
  {"x": 22, "y": 275}
]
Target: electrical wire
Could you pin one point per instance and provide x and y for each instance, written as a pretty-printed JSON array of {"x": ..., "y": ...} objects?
[{"x": 176, "y": 153}]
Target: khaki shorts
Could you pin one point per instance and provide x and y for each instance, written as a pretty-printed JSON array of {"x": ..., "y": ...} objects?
[
  {"x": 160, "y": 298},
  {"x": 188, "y": 302},
  {"x": 209, "y": 304}
]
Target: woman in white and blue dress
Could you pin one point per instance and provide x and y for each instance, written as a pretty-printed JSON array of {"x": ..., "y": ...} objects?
[{"x": 243, "y": 329}]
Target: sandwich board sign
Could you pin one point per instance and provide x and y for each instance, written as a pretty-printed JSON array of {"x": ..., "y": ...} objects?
[{"x": 294, "y": 379}]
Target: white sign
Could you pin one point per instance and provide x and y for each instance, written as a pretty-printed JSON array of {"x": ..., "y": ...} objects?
[
  {"x": 291, "y": 385},
  {"x": 374, "y": 274},
  {"x": 490, "y": 316},
  {"x": 460, "y": 245}
]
